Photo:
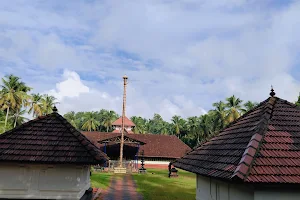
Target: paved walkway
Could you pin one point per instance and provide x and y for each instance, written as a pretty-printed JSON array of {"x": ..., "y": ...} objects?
[{"x": 121, "y": 188}]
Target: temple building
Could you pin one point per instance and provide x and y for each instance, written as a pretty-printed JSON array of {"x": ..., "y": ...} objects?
[
  {"x": 47, "y": 158},
  {"x": 158, "y": 150},
  {"x": 255, "y": 157},
  {"x": 128, "y": 125}
]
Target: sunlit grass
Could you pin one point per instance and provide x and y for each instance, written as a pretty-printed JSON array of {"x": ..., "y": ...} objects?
[
  {"x": 100, "y": 180},
  {"x": 157, "y": 185}
]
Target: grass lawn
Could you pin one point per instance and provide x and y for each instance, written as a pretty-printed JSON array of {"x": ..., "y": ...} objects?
[
  {"x": 159, "y": 186},
  {"x": 100, "y": 179}
]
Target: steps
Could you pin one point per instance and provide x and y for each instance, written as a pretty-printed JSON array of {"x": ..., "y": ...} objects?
[{"x": 120, "y": 170}]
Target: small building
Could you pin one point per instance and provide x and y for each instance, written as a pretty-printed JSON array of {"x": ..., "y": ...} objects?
[
  {"x": 46, "y": 158},
  {"x": 158, "y": 150},
  {"x": 257, "y": 157},
  {"x": 128, "y": 125}
]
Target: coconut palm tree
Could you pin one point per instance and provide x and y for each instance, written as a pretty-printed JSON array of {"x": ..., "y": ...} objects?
[
  {"x": 48, "y": 102},
  {"x": 165, "y": 128},
  {"x": 140, "y": 124},
  {"x": 36, "y": 106},
  {"x": 206, "y": 126},
  {"x": 2, "y": 119},
  {"x": 90, "y": 121},
  {"x": 193, "y": 128},
  {"x": 18, "y": 117},
  {"x": 13, "y": 94},
  {"x": 108, "y": 118},
  {"x": 71, "y": 117},
  {"x": 193, "y": 124},
  {"x": 234, "y": 106},
  {"x": 249, "y": 105},
  {"x": 298, "y": 101},
  {"x": 220, "y": 115},
  {"x": 178, "y": 124}
]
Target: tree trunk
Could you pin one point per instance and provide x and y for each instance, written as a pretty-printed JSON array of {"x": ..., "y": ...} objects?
[
  {"x": 107, "y": 129},
  {"x": 6, "y": 119},
  {"x": 16, "y": 119}
]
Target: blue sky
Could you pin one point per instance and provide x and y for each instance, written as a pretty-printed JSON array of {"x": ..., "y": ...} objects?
[{"x": 180, "y": 56}]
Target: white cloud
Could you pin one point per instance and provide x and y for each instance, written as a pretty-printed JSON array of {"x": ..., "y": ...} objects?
[
  {"x": 180, "y": 56},
  {"x": 74, "y": 95},
  {"x": 70, "y": 87}
]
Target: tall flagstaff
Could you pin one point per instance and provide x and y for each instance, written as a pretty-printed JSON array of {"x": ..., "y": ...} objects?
[{"x": 125, "y": 78}]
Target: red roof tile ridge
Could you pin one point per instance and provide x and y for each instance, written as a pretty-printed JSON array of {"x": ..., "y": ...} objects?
[
  {"x": 89, "y": 146},
  {"x": 127, "y": 121},
  {"x": 244, "y": 167}
]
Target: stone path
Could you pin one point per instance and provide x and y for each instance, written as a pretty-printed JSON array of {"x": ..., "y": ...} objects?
[{"x": 121, "y": 188}]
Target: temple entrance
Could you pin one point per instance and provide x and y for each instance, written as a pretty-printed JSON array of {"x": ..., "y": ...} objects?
[{"x": 131, "y": 148}]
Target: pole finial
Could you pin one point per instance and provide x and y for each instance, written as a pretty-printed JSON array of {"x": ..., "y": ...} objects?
[
  {"x": 54, "y": 109},
  {"x": 272, "y": 93}
]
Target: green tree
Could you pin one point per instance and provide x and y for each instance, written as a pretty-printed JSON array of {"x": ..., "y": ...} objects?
[
  {"x": 165, "y": 128},
  {"x": 234, "y": 106},
  {"x": 140, "y": 124},
  {"x": 36, "y": 106},
  {"x": 178, "y": 124},
  {"x": 206, "y": 126},
  {"x": 298, "y": 101},
  {"x": 12, "y": 94},
  {"x": 157, "y": 125},
  {"x": 249, "y": 105},
  {"x": 220, "y": 115},
  {"x": 90, "y": 121},
  {"x": 108, "y": 118},
  {"x": 18, "y": 118},
  {"x": 48, "y": 102},
  {"x": 193, "y": 137},
  {"x": 71, "y": 117}
]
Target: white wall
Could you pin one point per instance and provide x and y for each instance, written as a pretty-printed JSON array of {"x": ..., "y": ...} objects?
[
  {"x": 211, "y": 189},
  {"x": 276, "y": 195},
  {"x": 43, "y": 181},
  {"x": 128, "y": 128},
  {"x": 153, "y": 162}
]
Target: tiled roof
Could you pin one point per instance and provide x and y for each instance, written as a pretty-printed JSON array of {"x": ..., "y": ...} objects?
[
  {"x": 127, "y": 122},
  {"x": 160, "y": 146},
  {"x": 48, "y": 139},
  {"x": 262, "y": 146}
]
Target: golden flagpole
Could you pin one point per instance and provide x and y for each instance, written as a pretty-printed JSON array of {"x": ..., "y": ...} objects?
[{"x": 125, "y": 78}]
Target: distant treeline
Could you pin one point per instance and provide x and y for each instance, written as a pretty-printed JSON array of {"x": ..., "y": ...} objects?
[
  {"x": 16, "y": 100},
  {"x": 191, "y": 130}
]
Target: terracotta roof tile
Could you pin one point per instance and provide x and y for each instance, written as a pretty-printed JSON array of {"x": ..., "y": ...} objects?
[
  {"x": 48, "y": 139},
  {"x": 127, "y": 122},
  {"x": 262, "y": 146},
  {"x": 165, "y": 146}
]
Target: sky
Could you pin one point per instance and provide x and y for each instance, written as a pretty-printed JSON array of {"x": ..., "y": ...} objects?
[{"x": 180, "y": 55}]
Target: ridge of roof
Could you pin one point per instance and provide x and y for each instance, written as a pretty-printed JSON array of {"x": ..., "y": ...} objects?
[
  {"x": 22, "y": 125},
  {"x": 233, "y": 122},
  {"x": 244, "y": 167},
  {"x": 92, "y": 151},
  {"x": 86, "y": 143},
  {"x": 245, "y": 114}
]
